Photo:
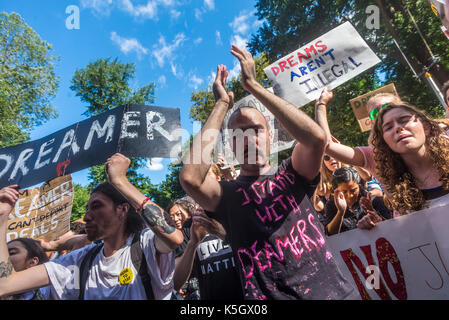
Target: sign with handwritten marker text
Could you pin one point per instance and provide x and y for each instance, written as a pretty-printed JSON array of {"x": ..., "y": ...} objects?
[
  {"x": 44, "y": 212},
  {"x": 411, "y": 253},
  {"x": 328, "y": 61},
  {"x": 359, "y": 105},
  {"x": 133, "y": 130}
]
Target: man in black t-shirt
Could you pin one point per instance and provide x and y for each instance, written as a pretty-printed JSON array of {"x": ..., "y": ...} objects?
[{"x": 269, "y": 220}]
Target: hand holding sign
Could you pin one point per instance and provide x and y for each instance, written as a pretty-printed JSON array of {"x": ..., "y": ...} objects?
[
  {"x": 117, "y": 166},
  {"x": 247, "y": 65},
  {"x": 8, "y": 197},
  {"x": 326, "y": 96},
  {"x": 220, "y": 93}
]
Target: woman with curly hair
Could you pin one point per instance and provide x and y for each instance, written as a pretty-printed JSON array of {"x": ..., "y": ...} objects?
[
  {"x": 411, "y": 153},
  {"x": 359, "y": 156}
]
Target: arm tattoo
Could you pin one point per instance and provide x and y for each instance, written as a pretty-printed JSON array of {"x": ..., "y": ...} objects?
[
  {"x": 5, "y": 269},
  {"x": 154, "y": 217}
]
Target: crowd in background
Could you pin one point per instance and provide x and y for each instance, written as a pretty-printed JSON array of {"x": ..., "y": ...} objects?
[{"x": 193, "y": 248}]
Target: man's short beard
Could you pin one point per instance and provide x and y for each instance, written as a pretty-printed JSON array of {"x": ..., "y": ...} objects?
[{"x": 92, "y": 236}]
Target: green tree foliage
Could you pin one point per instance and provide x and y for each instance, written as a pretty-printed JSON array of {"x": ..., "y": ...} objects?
[
  {"x": 104, "y": 85},
  {"x": 290, "y": 24},
  {"x": 27, "y": 80},
  {"x": 203, "y": 100},
  {"x": 170, "y": 189},
  {"x": 81, "y": 195}
]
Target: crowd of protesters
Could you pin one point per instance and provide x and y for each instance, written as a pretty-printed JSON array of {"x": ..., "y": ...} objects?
[{"x": 218, "y": 243}]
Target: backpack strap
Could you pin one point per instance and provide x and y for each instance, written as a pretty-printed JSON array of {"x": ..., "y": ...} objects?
[
  {"x": 86, "y": 264},
  {"x": 140, "y": 264}
]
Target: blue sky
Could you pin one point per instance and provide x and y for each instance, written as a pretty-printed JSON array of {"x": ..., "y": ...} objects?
[{"x": 176, "y": 44}]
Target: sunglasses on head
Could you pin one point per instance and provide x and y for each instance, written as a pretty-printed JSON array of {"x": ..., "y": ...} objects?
[{"x": 375, "y": 112}]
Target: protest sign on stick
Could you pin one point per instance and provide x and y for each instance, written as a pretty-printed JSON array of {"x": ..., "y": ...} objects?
[
  {"x": 359, "y": 105},
  {"x": 441, "y": 10},
  {"x": 406, "y": 258},
  {"x": 330, "y": 60},
  {"x": 133, "y": 130},
  {"x": 44, "y": 212}
]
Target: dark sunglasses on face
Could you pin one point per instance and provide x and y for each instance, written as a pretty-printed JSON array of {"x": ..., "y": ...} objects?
[
  {"x": 326, "y": 158},
  {"x": 375, "y": 112}
]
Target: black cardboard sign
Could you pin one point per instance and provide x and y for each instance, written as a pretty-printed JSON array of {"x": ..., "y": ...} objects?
[{"x": 133, "y": 130}]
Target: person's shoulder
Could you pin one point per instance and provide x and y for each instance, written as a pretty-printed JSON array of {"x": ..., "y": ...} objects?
[
  {"x": 286, "y": 167},
  {"x": 75, "y": 256},
  {"x": 366, "y": 150}
]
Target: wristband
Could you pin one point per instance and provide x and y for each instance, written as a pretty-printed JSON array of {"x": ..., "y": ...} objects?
[
  {"x": 321, "y": 103},
  {"x": 143, "y": 203}
]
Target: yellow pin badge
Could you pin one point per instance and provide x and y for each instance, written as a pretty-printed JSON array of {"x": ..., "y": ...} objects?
[{"x": 126, "y": 276}]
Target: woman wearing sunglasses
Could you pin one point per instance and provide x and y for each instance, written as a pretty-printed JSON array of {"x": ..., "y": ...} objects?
[{"x": 323, "y": 190}]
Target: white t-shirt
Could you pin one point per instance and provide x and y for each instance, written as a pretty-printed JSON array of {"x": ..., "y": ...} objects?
[
  {"x": 103, "y": 279},
  {"x": 31, "y": 295}
]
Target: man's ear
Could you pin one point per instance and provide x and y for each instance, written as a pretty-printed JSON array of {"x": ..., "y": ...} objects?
[
  {"x": 123, "y": 209},
  {"x": 32, "y": 262}
]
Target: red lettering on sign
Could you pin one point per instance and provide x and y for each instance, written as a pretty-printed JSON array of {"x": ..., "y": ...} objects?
[{"x": 60, "y": 168}]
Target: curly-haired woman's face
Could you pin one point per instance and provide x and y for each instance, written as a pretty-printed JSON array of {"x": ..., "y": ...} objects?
[{"x": 403, "y": 131}]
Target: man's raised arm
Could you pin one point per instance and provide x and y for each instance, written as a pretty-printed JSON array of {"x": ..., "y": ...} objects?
[
  {"x": 307, "y": 154},
  {"x": 207, "y": 192},
  {"x": 168, "y": 238}
]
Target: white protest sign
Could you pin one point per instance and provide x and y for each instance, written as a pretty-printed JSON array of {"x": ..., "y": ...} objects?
[
  {"x": 330, "y": 60},
  {"x": 410, "y": 253},
  {"x": 281, "y": 139}
]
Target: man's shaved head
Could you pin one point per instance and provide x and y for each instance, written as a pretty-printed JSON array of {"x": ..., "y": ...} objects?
[{"x": 245, "y": 112}]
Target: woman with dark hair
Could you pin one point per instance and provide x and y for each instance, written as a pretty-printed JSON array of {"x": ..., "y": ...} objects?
[
  {"x": 411, "y": 153},
  {"x": 346, "y": 208},
  {"x": 25, "y": 253},
  {"x": 181, "y": 210}
]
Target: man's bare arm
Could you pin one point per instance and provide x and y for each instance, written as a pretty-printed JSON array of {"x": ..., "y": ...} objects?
[
  {"x": 207, "y": 192},
  {"x": 167, "y": 237}
]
